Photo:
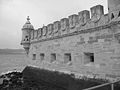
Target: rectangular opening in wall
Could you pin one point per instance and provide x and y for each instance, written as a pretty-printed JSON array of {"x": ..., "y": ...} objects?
[
  {"x": 88, "y": 57},
  {"x": 34, "y": 57},
  {"x": 67, "y": 57},
  {"x": 53, "y": 57},
  {"x": 42, "y": 56}
]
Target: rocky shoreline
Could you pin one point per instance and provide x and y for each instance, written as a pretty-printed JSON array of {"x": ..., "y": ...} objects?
[{"x": 11, "y": 81}]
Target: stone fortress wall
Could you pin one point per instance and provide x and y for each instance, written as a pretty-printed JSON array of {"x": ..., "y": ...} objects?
[
  {"x": 71, "y": 24},
  {"x": 84, "y": 43}
]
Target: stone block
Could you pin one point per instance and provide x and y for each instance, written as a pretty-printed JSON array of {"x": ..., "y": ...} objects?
[
  {"x": 96, "y": 13},
  {"x": 35, "y": 34},
  {"x": 39, "y": 33},
  {"x": 50, "y": 30},
  {"x": 56, "y": 27},
  {"x": 44, "y": 32},
  {"x": 84, "y": 17},
  {"x": 32, "y": 35},
  {"x": 64, "y": 23},
  {"x": 73, "y": 21}
]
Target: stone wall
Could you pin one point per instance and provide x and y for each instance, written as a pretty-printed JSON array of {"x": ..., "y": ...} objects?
[
  {"x": 79, "y": 43},
  {"x": 70, "y": 24},
  {"x": 102, "y": 43}
]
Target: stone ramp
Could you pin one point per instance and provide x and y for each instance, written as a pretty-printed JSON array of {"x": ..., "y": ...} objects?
[{"x": 40, "y": 79}]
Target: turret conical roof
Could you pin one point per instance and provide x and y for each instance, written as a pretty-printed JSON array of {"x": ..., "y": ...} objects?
[{"x": 28, "y": 25}]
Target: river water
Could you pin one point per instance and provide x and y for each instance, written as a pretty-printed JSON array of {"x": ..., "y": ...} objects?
[{"x": 12, "y": 62}]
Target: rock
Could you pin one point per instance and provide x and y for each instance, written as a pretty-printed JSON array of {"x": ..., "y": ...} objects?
[
  {"x": 12, "y": 81},
  {"x": 1, "y": 80}
]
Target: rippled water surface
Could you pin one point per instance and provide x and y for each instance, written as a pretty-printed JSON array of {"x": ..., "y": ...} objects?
[{"x": 10, "y": 62}]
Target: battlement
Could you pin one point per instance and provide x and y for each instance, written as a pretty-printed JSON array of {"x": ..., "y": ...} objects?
[{"x": 74, "y": 23}]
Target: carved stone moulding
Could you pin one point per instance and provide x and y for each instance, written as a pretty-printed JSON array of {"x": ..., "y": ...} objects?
[
  {"x": 50, "y": 29},
  {"x": 96, "y": 13},
  {"x": 64, "y": 23},
  {"x": 84, "y": 17},
  {"x": 44, "y": 31},
  {"x": 35, "y": 34},
  {"x": 32, "y": 34},
  {"x": 56, "y": 26},
  {"x": 39, "y": 33},
  {"x": 73, "y": 21}
]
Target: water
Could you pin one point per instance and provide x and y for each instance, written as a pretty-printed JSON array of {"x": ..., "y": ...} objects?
[{"x": 12, "y": 62}]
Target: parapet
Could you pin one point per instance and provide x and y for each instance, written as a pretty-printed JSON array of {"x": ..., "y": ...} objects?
[
  {"x": 50, "y": 29},
  {"x": 96, "y": 12},
  {"x": 73, "y": 20},
  {"x": 35, "y": 34},
  {"x": 56, "y": 26},
  {"x": 73, "y": 23},
  {"x": 39, "y": 33},
  {"x": 84, "y": 17},
  {"x": 44, "y": 31},
  {"x": 64, "y": 23},
  {"x": 32, "y": 35}
]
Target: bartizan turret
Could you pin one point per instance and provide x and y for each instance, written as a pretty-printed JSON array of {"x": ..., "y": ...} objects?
[{"x": 26, "y": 30}]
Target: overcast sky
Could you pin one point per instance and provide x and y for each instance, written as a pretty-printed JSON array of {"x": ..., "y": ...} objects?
[{"x": 13, "y": 15}]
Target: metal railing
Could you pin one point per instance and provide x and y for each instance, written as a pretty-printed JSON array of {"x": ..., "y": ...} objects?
[{"x": 103, "y": 85}]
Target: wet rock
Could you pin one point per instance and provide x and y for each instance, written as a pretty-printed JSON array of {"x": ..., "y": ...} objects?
[{"x": 11, "y": 80}]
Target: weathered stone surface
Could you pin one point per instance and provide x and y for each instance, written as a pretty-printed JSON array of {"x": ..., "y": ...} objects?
[
  {"x": 50, "y": 30},
  {"x": 73, "y": 21},
  {"x": 39, "y": 33},
  {"x": 56, "y": 28},
  {"x": 44, "y": 31},
  {"x": 96, "y": 13},
  {"x": 80, "y": 44},
  {"x": 84, "y": 17}
]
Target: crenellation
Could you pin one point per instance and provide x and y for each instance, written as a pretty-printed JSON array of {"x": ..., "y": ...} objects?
[
  {"x": 35, "y": 34},
  {"x": 100, "y": 10},
  {"x": 83, "y": 31},
  {"x": 32, "y": 34},
  {"x": 73, "y": 21},
  {"x": 93, "y": 12},
  {"x": 96, "y": 13},
  {"x": 44, "y": 32},
  {"x": 56, "y": 28},
  {"x": 81, "y": 21},
  {"x": 39, "y": 33},
  {"x": 50, "y": 30},
  {"x": 84, "y": 17},
  {"x": 64, "y": 23}
]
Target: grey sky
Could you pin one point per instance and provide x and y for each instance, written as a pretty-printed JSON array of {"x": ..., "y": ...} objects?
[{"x": 13, "y": 15}]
